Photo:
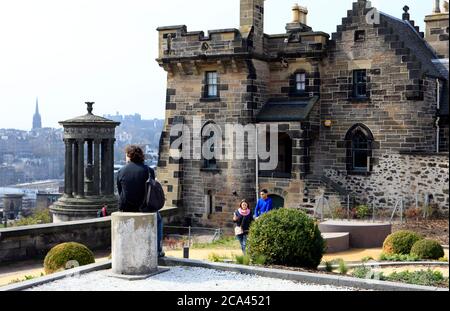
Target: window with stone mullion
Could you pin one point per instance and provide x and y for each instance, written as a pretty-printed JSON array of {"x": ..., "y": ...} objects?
[
  {"x": 360, "y": 83},
  {"x": 211, "y": 84},
  {"x": 300, "y": 82}
]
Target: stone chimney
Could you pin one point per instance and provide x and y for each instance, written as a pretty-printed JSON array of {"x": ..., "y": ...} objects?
[
  {"x": 300, "y": 14},
  {"x": 299, "y": 20},
  {"x": 252, "y": 23},
  {"x": 437, "y": 29}
]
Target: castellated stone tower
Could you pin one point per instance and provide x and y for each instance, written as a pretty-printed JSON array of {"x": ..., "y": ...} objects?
[
  {"x": 252, "y": 23},
  {"x": 355, "y": 112}
]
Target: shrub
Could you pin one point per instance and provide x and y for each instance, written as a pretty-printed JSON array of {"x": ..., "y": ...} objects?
[
  {"x": 363, "y": 211},
  {"x": 328, "y": 266},
  {"x": 259, "y": 260},
  {"x": 63, "y": 254},
  {"x": 422, "y": 277},
  {"x": 39, "y": 216},
  {"x": 242, "y": 260},
  {"x": 398, "y": 257},
  {"x": 427, "y": 249},
  {"x": 343, "y": 269},
  {"x": 366, "y": 273},
  {"x": 400, "y": 242},
  {"x": 286, "y": 237},
  {"x": 217, "y": 258}
]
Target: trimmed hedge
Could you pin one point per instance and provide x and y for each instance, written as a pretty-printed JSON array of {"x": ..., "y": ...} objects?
[
  {"x": 400, "y": 242},
  {"x": 286, "y": 237},
  {"x": 61, "y": 256},
  {"x": 427, "y": 249}
]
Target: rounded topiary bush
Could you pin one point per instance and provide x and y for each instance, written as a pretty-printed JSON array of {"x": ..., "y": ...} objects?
[
  {"x": 427, "y": 249},
  {"x": 400, "y": 242},
  {"x": 66, "y": 256},
  {"x": 286, "y": 237}
]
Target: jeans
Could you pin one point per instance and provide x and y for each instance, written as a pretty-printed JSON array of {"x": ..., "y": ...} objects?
[
  {"x": 243, "y": 240},
  {"x": 160, "y": 231}
]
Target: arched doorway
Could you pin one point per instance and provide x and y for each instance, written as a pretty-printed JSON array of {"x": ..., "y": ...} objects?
[{"x": 277, "y": 201}]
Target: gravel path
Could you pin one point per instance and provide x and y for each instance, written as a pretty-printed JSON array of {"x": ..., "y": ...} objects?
[{"x": 181, "y": 279}]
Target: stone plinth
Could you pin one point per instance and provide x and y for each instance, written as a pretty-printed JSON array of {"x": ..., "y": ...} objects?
[
  {"x": 134, "y": 245},
  {"x": 337, "y": 242},
  {"x": 362, "y": 234}
]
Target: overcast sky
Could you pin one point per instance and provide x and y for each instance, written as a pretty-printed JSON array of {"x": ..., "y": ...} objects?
[{"x": 67, "y": 52}]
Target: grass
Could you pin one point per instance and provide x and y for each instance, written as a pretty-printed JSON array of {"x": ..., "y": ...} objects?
[
  {"x": 223, "y": 243},
  {"x": 26, "y": 278},
  {"x": 217, "y": 258}
]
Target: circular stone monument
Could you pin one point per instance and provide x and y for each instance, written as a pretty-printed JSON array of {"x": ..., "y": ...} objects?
[{"x": 89, "y": 168}]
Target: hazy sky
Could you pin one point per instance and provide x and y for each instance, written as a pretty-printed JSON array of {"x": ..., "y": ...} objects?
[{"x": 67, "y": 52}]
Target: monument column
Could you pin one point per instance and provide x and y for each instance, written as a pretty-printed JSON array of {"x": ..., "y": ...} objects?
[
  {"x": 104, "y": 178},
  {"x": 75, "y": 169},
  {"x": 90, "y": 169},
  {"x": 111, "y": 166},
  {"x": 68, "y": 191},
  {"x": 80, "y": 143},
  {"x": 97, "y": 167}
]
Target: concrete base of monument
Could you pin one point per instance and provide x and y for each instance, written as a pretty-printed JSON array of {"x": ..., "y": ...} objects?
[
  {"x": 159, "y": 270},
  {"x": 74, "y": 209}
]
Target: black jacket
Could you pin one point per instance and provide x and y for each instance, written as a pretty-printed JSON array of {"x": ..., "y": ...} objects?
[
  {"x": 244, "y": 221},
  {"x": 131, "y": 182}
]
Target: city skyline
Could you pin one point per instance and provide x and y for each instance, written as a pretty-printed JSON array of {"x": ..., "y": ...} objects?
[{"x": 66, "y": 53}]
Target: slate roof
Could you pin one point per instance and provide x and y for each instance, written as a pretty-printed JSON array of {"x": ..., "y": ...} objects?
[
  {"x": 286, "y": 110},
  {"x": 418, "y": 46}
]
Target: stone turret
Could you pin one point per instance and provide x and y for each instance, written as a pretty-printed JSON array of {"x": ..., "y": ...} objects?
[{"x": 437, "y": 29}]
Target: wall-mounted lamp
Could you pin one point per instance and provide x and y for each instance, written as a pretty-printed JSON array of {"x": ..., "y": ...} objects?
[{"x": 327, "y": 123}]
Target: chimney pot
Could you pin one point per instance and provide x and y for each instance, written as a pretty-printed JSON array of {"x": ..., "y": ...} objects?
[{"x": 437, "y": 6}]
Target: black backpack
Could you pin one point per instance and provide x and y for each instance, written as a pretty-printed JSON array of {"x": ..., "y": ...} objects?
[{"x": 154, "y": 196}]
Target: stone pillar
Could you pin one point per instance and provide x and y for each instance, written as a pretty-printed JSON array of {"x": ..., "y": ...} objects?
[
  {"x": 110, "y": 189},
  {"x": 97, "y": 167},
  {"x": 75, "y": 169},
  {"x": 104, "y": 168},
  {"x": 134, "y": 244},
  {"x": 89, "y": 169},
  {"x": 68, "y": 190},
  {"x": 80, "y": 177}
]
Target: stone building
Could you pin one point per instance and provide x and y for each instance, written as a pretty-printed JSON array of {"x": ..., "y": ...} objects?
[{"x": 363, "y": 112}]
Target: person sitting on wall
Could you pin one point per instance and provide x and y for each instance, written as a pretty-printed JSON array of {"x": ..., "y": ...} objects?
[
  {"x": 264, "y": 204},
  {"x": 131, "y": 185}
]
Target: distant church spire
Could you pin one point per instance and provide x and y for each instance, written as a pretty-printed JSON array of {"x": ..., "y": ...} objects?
[{"x": 37, "y": 123}]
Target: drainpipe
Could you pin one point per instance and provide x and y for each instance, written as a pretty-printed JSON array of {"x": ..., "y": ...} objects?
[
  {"x": 438, "y": 119},
  {"x": 438, "y": 129}
]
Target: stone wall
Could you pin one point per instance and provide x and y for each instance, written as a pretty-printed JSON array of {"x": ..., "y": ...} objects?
[
  {"x": 33, "y": 242},
  {"x": 400, "y": 175},
  {"x": 401, "y": 107}
]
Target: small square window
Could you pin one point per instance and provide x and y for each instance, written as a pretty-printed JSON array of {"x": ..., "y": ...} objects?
[{"x": 360, "y": 35}]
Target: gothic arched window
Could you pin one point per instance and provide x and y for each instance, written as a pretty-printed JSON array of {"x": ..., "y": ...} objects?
[
  {"x": 210, "y": 143},
  {"x": 359, "y": 140}
]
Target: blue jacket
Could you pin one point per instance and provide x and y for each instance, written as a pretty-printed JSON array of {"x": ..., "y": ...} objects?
[{"x": 263, "y": 206}]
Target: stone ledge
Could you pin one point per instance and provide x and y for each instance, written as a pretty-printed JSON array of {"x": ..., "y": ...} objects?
[
  {"x": 56, "y": 276},
  {"x": 306, "y": 277}
]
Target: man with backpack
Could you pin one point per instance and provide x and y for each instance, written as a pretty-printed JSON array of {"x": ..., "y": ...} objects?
[{"x": 139, "y": 192}]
